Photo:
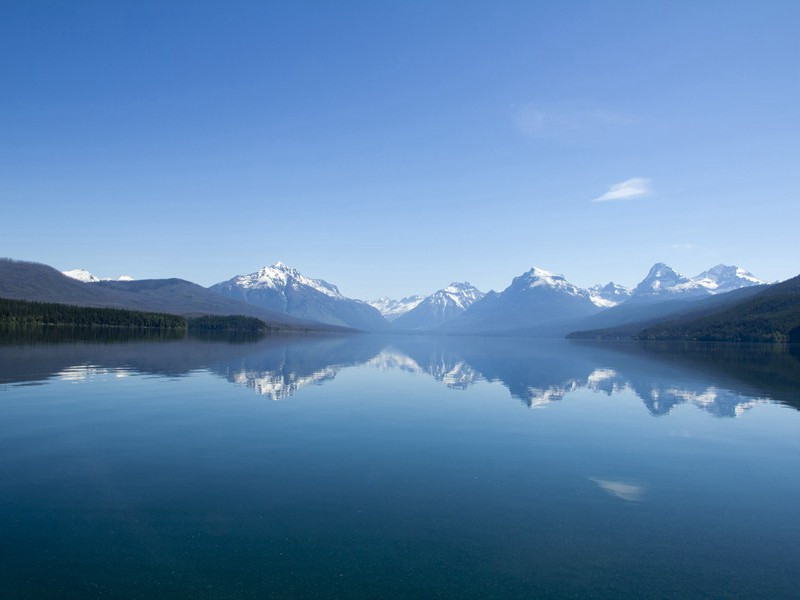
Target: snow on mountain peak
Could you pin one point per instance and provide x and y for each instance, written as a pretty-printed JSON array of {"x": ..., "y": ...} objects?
[
  {"x": 392, "y": 309},
  {"x": 441, "y": 306},
  {"x": 664, "y": 280},
  {"x": 282, "y": 266},
  {"x": 609, "y": 295},
  {"x": 538, "y": 278},
  {"x": 86, "y": 277},
  {"x": 459, "y": 294},
  {"x": 82, "y": 275},
  {"x": 280, "y": 276},
  {"x": 725, "y": 278}
]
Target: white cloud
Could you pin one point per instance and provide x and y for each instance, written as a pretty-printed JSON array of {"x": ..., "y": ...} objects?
[
  {"x": 686, "y": 246},
  {"x": 636, "y": 187},
  {"x": 620, "y": 489}
]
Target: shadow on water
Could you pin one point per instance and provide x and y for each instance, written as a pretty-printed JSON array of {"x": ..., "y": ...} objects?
[{"x": 722, "y": 379}]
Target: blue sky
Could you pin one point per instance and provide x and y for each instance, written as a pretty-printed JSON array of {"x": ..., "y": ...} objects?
[{"x": 393, "y": 148}]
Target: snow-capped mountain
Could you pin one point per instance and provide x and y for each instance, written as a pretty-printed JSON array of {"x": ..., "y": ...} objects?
[
  {"x": 726, "y": 278},
  {"x": 283, "y": 288},
  {"x": 663, "y": 282},
  {"x": 609, "y": 295},
  {"x": 392, "y": 309},
  {"x": 281, "y": 277},
  {"x": 440, "y": 307},
  {"x": 533, "y": 299},
  {"x": 87, "y": 277}
]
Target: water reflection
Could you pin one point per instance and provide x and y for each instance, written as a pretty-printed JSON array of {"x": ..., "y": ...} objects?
[
  {"x": 632, "y": 492},
  {"x": 725, "y": 381}
]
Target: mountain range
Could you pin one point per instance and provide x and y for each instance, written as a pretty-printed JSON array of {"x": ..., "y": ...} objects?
[
  {"x": 771, "y": 315},
  {"x": 537, "y": 302},
  {"x": 41, "y": 283},
  {"x": 665, "y": 282}
]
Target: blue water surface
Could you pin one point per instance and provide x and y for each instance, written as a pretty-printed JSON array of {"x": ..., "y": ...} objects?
[{"x": 397, "y": 467}]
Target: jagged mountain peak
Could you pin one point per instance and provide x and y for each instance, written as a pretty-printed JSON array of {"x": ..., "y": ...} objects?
[
  {"x": 537, "y": 278},
  {"x": 392, "y": 309},
  {"x": 610, "y": 294},
  {"x": 459, "y": 294},
  {"x": 609, "y": 287},
  {"x": 722, "y": 278},
  {"x": 280, "y": 275},
  {"x": 662, "y": 270},
  {"x": 282, "y": 266},
  {"x": 539, "y": 273},
  {"x": 460, "y": 285},
  {"x": 534, "y": 299},
  {"x": 664, "y": 280},
  {"x": 283, "y": 288},
  {"x": 441, "y": 306}
]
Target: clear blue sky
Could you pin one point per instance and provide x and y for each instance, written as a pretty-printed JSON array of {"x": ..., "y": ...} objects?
[{"x": 391, "y": 148}]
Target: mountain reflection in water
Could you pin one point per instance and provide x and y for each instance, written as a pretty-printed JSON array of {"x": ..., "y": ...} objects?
[{"x": 723, "y": 380}]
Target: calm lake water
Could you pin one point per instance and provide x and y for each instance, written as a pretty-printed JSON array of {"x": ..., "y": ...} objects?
[{"x": 405, "y": 467}]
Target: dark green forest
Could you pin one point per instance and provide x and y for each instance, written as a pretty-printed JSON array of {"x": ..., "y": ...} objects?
[
  {"x": 771, "y": 316},
  {"x": 227, "y": 323},
  {"x": 22, "y": 313}
]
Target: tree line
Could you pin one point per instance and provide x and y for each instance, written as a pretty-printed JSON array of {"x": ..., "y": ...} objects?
[{"x": 24, "y": 313}]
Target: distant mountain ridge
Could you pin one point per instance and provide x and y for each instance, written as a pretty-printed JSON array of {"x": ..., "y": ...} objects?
[
  {"x": 392, "y": 309},
  {"x": 284, "y": 289},
  {"x": 440, "y": 307},
  {"x": 537, "y": 302},
  {"x": 533, "y": 299},
  {"x": 772, "y": 315},
  {"x": 610, "y": 294},
  {"x": 87, "y": 277},
  {"x": 664, "y": 281},
  {"x": 40, "y": 283}
]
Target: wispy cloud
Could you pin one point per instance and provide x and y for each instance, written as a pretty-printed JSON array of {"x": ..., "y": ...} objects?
[
  {"x": 536, "y": 122},
  {"x": 630, "y": 492},
  {"x": 686, "y": 246},
  {"x": 636, "y": 187}
]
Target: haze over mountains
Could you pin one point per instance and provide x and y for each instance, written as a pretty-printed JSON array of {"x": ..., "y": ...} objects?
[{"x": 536, "y": 302}]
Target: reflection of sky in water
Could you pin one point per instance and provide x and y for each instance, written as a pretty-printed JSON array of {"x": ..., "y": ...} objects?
[{"x": 404, "y": 462}]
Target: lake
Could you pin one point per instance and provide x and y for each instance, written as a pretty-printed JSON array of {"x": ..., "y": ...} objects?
[{"x": 396, "y": 467}]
